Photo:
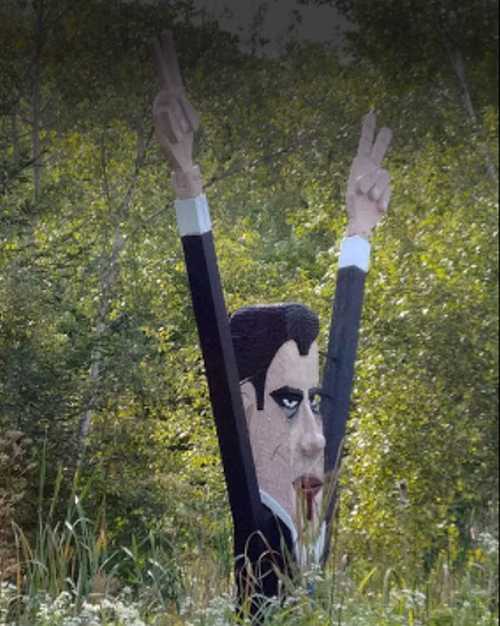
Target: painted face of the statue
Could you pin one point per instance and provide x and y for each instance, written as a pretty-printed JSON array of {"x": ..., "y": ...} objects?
[{"x": 286, "y": 434}]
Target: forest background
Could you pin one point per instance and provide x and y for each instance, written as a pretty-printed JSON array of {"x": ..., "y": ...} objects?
[{"x": 100, "y": 368}]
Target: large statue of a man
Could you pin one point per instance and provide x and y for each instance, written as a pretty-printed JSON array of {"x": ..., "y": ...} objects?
[{"x": 279, "y": 429}]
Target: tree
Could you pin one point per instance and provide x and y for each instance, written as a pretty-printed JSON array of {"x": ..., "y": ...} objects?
[
  {"x": 436, "y": 43},
  {"x": 91, "y": 273}
]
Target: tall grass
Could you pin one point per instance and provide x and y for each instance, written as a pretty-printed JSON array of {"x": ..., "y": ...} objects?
[
  {"x": 72, "y": 558},
  {"x": 70, "y": 574},
  {"x": 62, "y": 555}
]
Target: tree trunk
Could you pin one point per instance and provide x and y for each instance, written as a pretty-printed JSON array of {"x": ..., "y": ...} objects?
[
  {"x": 109, "y": 277},
  {"x": 108, "y": 280},
  {"x": 15, "y": 134},
  {"x": 36, "y": 101},
  {"x": 458, "y": 65}
]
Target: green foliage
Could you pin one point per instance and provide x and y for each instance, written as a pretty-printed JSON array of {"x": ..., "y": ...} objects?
[
  {"x": 410, "y": 40},
  {"x": 160, "y": 590},
  {"x": 432, "y": 398},
  {"x": 91, "y": 274},
  {"x": 17, "y": 470},
  {"x": 73, "y": 561}
]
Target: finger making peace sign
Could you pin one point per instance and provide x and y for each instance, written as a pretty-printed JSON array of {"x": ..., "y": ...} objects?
[
  {"x": 174, "y": 117},
  {"x": 368, "y": 189}
]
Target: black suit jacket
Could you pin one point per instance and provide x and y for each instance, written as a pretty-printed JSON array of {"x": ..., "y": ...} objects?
[{"x": 257, "y": 532}]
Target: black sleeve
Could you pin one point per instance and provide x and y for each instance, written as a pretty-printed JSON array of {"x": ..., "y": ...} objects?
[
  {"x": 223, "y": 383},
  {"x": 258, "y": 535},
  {"x": 341, "y": 357},
  {"x": 339, "y": 375}
]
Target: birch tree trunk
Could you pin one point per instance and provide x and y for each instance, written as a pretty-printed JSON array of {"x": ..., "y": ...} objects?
[
  {"x": 458, "y": 65},
  {"x": 36, "y": 100},
  {"x": 15, "y": 134},
  {"x": 109, "y": 278}
]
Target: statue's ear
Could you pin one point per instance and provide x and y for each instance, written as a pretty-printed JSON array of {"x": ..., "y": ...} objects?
[{"x": 249, "y": 398}]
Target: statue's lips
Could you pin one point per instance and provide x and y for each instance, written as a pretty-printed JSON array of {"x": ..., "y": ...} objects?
[{"x": 308, "y": 485}]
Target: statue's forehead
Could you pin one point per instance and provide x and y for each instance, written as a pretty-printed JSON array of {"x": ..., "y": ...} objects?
[{"x": 289, "y": 367}]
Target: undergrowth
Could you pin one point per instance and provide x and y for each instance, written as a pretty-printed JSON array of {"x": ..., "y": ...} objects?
[{"x": 68, "y": 574}]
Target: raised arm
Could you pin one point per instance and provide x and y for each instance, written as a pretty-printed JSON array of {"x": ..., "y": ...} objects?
[
  {"x": 175, "y": 122},
  {"x": 367, "y": 199}
]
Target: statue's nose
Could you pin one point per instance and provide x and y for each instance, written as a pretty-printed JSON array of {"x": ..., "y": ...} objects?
[{"x": 312, "y": 441}]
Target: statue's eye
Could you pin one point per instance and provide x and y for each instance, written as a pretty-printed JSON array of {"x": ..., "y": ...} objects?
[
  {"x": 315, "y": 401},
  {"x": 288, "y": 402},
  {"x": 290, "y": 406}
]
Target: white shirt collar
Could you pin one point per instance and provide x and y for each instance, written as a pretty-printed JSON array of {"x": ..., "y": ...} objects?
[{"x": 284, "y": 516}]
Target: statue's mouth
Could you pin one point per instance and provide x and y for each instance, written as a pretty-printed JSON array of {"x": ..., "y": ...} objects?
[{"x": 308, "y": 487}]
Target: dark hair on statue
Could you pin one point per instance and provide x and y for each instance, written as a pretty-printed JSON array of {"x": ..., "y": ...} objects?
[{"x": 258, "y": 332}]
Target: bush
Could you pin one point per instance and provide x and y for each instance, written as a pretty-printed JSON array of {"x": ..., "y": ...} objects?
[{"x": 16, "y": 470}]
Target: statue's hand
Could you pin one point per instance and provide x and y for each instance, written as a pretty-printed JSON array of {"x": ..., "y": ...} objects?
[
  {"x": 175, "y": 119},
  {"x": 368, "y": 189}
]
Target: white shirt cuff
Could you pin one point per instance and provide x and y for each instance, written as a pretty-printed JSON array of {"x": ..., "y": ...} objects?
[
  {"x": 355, "y": 251},
  {"x": 193, "y": 216}
]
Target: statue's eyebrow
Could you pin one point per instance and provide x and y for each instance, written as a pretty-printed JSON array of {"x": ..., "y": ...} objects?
[{"x": 288, "y": 391}]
